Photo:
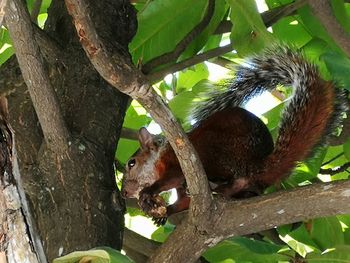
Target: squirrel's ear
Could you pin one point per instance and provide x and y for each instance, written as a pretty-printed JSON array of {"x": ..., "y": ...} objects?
[{"x": 145, "y": 138}]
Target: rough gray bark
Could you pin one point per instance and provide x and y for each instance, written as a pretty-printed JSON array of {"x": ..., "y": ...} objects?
[
  {"x": 14, "y": 234},
  {"x": 253, "y": 215},
  {"x": 72, "y": 195}
]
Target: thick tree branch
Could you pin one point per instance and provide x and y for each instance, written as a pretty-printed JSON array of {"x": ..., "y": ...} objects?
[
  {"x": 182, "y": 45},
  {"x": 124, "y": 76},
  {"x": 51, "y": 51},
  {"x": 323, "y": 11},
  {"x": 36, "y": 77},
  {"x": 139, "y": 243},
  {"x": 254, "y": 215},
  {"x": 135, "y": 255}
]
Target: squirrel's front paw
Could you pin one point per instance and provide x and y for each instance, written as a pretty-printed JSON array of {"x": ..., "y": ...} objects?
[
  {"x": 152, "y": 205},
  {"x": 145, "y": 200}
]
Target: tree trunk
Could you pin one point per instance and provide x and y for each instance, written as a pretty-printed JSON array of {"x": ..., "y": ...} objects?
[{"x": 73, "y": 196}]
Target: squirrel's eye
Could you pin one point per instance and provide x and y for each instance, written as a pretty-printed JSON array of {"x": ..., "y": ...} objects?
[{"x": 131, "y": 163}]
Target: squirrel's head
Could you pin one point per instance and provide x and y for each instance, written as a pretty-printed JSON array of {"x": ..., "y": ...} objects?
[{"x": 141, "y": 168}]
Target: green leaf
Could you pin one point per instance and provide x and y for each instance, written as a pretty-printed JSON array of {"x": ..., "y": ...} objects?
[
  {"x": 162, "y": 233},
  {"x": 163, "y": 24},
  {"x": 45, "y": 5},
  {"x": 97, "y": 255},
  {"x": 182, "y": 104},
  {"x": 314, "y": 27},
  {"x": 289, "y": 30},
  {"x": 228, "y": 250},
  {"x": 345, "y": 223},
  {"x": 133, "y": 120},
  {"x": 345, "y": 220},
  {"x": 6, "y": 54},
  {"x": 201, "y": 40},
  {"x": 308, "y": 169},
  {"x": 188, "y": 78},
  {"x": 273, "y": 117},
  {"x": 339, "y": 11},
  {"x": 132, "y": 211},
  {"x": 299, "y": 240},
  {"x": 136, "y": 117},
  {"x": 256, "y": 246},
  {"x": 333, "y": 151},
  {"x": 6, "y": 50},
  {"x": 346, "y": 147},
  {"x": 313, "y": 50},
  {"x": 339, "y": 67},
  {"x": 327, "y": 232},
  {"x": 249, "y": 33},
  {"x": 339, "y": 254},
  {"x": 126, "y": 148}
]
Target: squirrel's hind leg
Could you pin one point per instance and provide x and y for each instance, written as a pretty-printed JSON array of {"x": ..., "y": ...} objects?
[{"x": 239, "y": 188}]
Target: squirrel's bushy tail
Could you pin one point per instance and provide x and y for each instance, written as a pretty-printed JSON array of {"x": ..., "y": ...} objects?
[{"x": 310, "y": 115}]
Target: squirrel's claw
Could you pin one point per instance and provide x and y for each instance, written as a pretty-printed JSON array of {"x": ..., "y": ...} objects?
[{"x": 159, "y": 221}]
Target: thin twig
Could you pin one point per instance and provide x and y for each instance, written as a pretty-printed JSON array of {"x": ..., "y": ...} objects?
[
  {"x": 36, "y": 77},
  {"x": 130, "y": 134},
  {"x": 223, "y": 62},
  {"x": 337, "y": 170},
  {"x": 272, "y": 16},
  {"x": 158, "y": 75}
]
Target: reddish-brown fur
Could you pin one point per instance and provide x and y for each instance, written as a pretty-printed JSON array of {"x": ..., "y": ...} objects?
[
  {"x": 297, "y": 144},
  {"x": 235, "y": 147},
  {"x": 231, "y": 144}
]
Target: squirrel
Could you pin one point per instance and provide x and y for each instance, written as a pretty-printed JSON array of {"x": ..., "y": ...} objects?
[{"x": 235, "y": 146}]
